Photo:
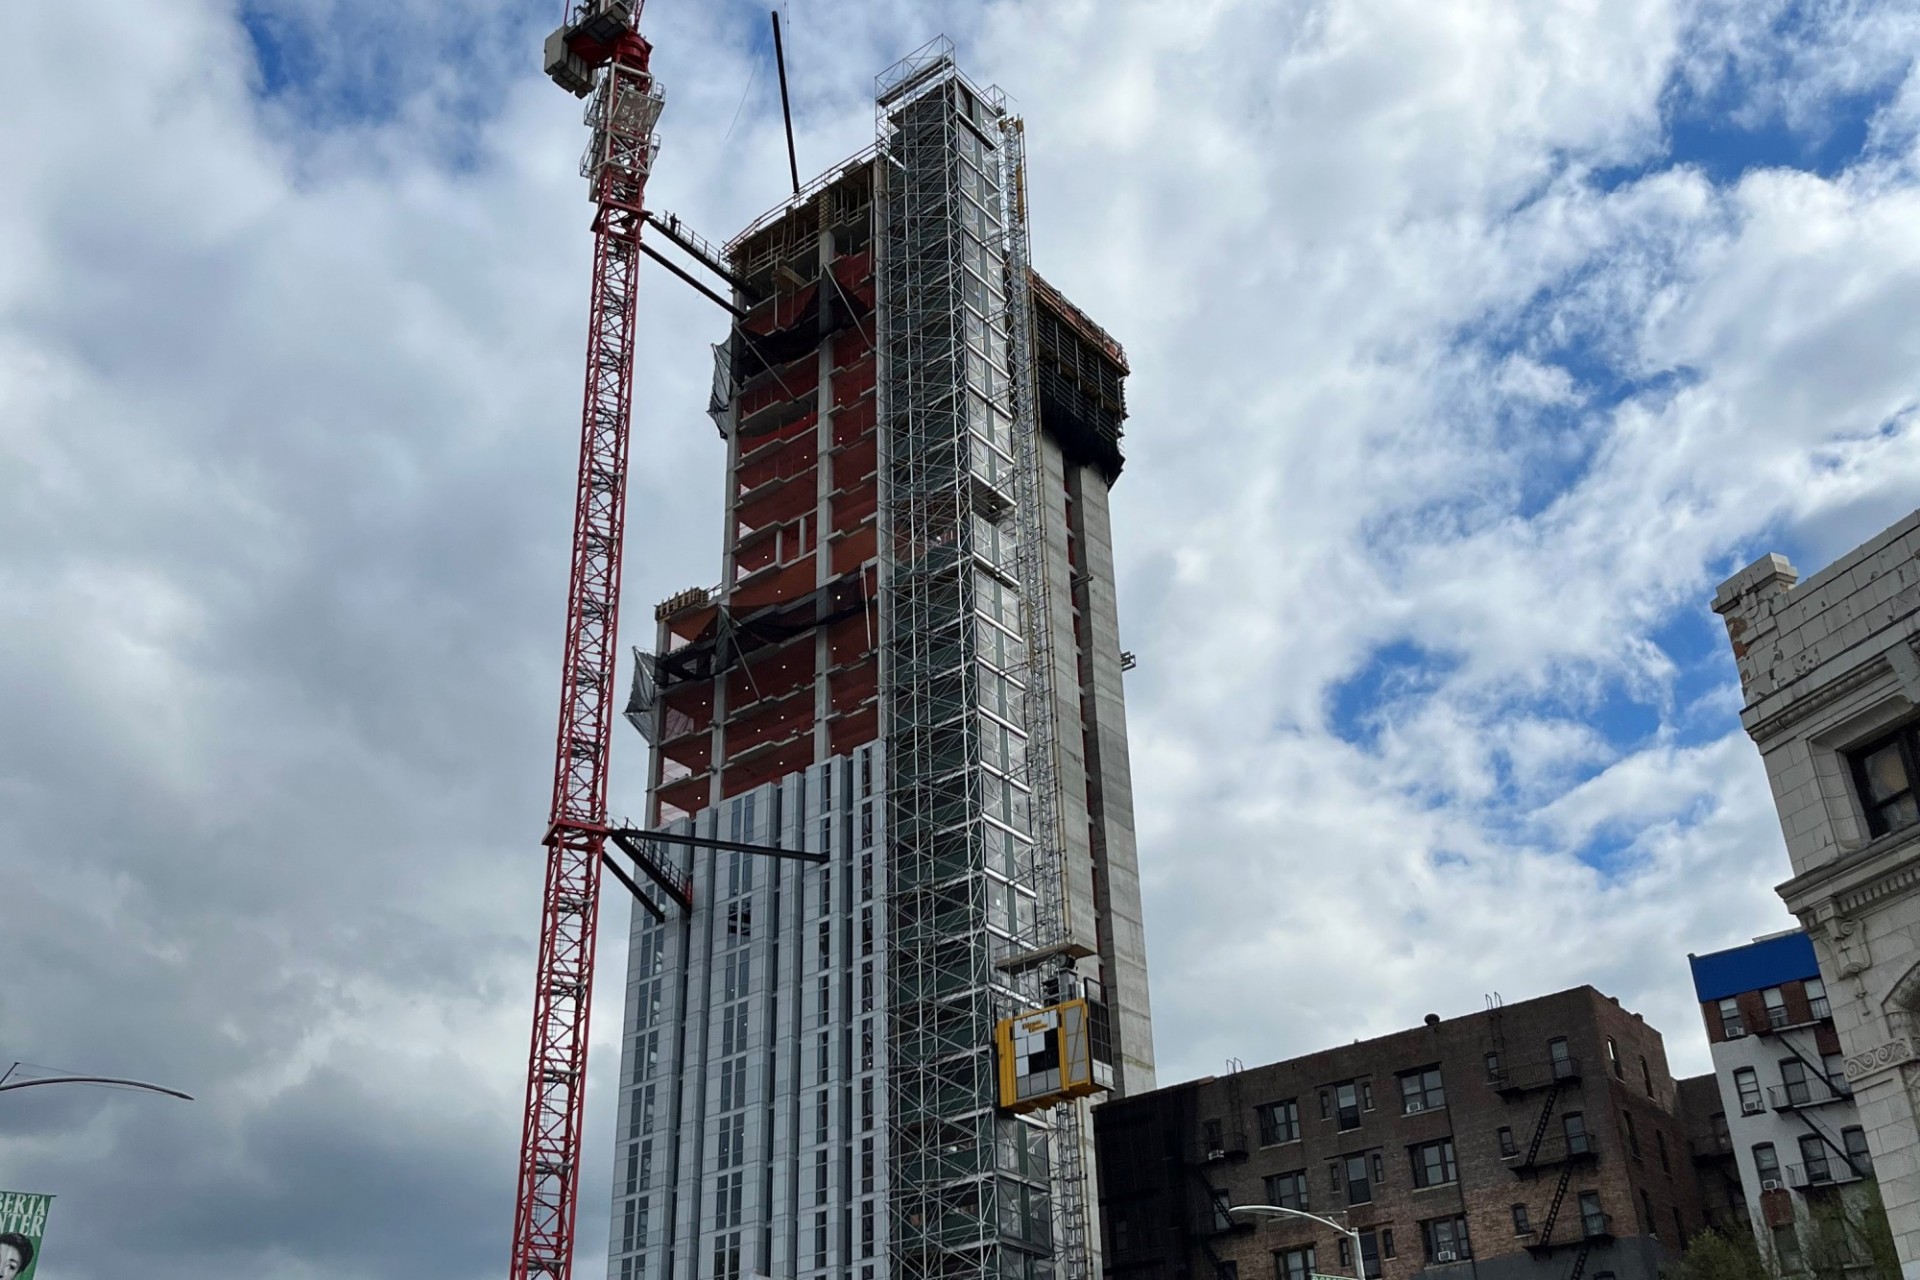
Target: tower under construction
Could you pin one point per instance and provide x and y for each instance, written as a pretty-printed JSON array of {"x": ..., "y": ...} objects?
[{"x": 872, "y": 1059}]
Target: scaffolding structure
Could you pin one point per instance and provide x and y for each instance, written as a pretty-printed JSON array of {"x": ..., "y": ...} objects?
[
  {"x": 1048, "y": 941},
  {"x": 974, "y": 894}
]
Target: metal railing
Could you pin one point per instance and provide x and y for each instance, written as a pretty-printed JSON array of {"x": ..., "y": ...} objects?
[
  {"x": 1821, "y": 1173},
  {"x": 1535, "y": 1075},
  {"x": 1812, "y": 1092},
  {"x": 1718, "y": 1144}
]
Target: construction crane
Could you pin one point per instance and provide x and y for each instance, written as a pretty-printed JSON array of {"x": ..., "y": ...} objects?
[{"x": 599, "y": 55}]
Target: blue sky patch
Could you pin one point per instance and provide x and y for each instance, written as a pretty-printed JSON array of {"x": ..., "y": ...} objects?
[{"x": 1392, "y": 673}]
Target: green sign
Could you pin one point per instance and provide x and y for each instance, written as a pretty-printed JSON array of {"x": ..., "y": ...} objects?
[{"x": 23, "y": 1220}]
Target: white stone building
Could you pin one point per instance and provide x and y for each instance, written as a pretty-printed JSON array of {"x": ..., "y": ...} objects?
[{"x": 1832, "y": 685}]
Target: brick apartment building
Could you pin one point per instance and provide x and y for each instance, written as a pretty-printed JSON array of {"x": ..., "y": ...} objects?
[
  {"x": 1723, "y": 1198},
  {"x": 1540, "y": 1139}
]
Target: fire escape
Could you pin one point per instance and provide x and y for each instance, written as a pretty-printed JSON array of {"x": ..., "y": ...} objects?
[
  {"x": 1207, "y": 1216},
  {"x": 1545, "y": 1152},
  {"x": 1800, "y": 1098}
]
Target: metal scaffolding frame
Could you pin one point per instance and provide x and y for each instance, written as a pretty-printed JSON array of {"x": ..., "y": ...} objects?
[
  {"x": 1048, "y": 942},
  {"x": 974, "y": 899}
]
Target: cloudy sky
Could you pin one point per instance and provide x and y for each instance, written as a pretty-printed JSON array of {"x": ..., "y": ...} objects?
[{"x": 1474, "y": 344}]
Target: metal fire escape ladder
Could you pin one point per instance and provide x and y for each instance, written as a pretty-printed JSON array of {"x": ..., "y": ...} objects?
[
  {"x": 1218, "y": 1207},
  {"x": 1806, "y": 1119},
  {"x": 1553, "y": 1208},
  {"x": 1580, "y": 1260},
  {"x": 1540, "y": 1126}
]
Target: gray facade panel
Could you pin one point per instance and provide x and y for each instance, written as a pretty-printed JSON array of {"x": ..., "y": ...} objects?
[{"x": 753, "y": 1112}]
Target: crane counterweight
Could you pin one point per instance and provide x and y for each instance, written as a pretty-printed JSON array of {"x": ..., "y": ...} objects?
[{"x": 581, "y": 47}]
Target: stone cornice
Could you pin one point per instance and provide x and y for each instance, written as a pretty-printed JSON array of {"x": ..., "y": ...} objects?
[{"x": 1883, "y": 868}]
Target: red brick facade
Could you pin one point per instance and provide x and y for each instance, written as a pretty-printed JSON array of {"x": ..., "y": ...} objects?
[{"x": 1170, "y": 1160}]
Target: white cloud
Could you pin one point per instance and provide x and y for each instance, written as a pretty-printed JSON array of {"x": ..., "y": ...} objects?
[{"x": 285, "y": 451}]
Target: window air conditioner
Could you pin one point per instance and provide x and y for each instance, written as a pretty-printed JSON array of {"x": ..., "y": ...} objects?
[
  {"x": 1445, "y": 1255},
  {"x": 1736, "y": 1033},
  {"x": 1752, "y": 1107},
  {"x": 1216, "y": 1153},
  {"x": 1415, "y": 1104},
  {"x": 1770, "y": 1184}
]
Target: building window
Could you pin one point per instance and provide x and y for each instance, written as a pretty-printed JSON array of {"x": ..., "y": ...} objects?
[
  {"x": 1493, "y": 1066},
  {"x": 1295, "y": 1264},
  {"x": 1633, "y": 1138},
  {"x": 1213, "y": 1134},
  {"x": 1359, "y": 1187},
  {"x": 1834, "y": 1068},
  {"x": 1813, "y": 1157},
  {"x": 1521, "y": 1227},
  {"x": 1288, "y": 1190},
  {"x": 1346, "y": 1097},
  {"x": 1369, "y": 1255},
  {"x": 1421, "y": 1091},
  {"x": 1647, "y": 1223},
  {"x": 1679, "y": 1228},
  {"x": 1279, "y": 1122},
  {"x": 1884, "y": 773},
  {"x": 1660, "y": 1144},
  {"x": 1562, "y": 1061},
  {"x": 1446, "y": 1239},
  {"x": 1776, "y": 1002},
  {"x": 1817, "y": 999},
  {"x": 1433, "y": 1163},
  {"x": 1722, "y": 1135},
  {"x": 1507, "y": 1148},
  {"x": 1326, "y": 1104},
  {"x": 1574, "y": 1125},
  {"x": 1854, "y": 1139},
  {"x": 1228, "y": 1270},
  {"x": 1767, "y": 1164},
  {"x": 1747, "y": 1083},
  {"x": 1592, "y": 1221},
  {"x": 1786, "y": 1247},
  {"x": 1613, "y": 1060},
  {"x": 1793, "y": 1075},
  {"x": 1731, "y": 1026},
  {"x": 1646, "y": 1075},
  {"x": 1386, "y": 1242}
]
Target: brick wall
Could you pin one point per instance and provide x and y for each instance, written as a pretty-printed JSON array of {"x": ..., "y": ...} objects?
[{"x": 1158, "y": 1176}]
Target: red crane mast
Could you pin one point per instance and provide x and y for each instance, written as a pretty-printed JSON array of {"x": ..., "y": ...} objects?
[{"x": 598, "y": 54}]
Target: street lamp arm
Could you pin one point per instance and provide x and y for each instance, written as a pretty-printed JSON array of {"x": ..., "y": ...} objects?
[
  {"x": 114, "y": 1080},
  {"x": 1291, "y": 1213},
  {"x": 1359, "y": 1262}
]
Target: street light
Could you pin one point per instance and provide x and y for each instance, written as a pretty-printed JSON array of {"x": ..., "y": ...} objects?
[
  {"x": 7, "y": 1082},
  {"x": 1359, "y": 1262}
]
